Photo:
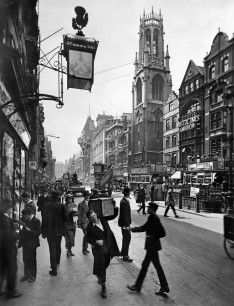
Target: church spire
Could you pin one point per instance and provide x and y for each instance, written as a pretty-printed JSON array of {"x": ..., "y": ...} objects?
[{"x": 167, "y": 58}]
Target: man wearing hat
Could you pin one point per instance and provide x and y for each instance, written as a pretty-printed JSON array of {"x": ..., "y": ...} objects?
[
  {"x": 28, "y": 202},
  {"x": 8, "y": 250},
  {"x": 54, "y": 229},
  {"x": 170, "y": 202},
  {"x": 83, "y": 221},
  {"x": 154, "y": 231},
  {"x": 124, "y": 222}
]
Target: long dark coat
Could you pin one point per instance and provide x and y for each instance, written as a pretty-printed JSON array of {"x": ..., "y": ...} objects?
[
  {"x": 102, "y": 254},
  {"x": 54, "y": 219},
  {"x": 151, "y": 227},
  {"x": 124, "y": 213}
]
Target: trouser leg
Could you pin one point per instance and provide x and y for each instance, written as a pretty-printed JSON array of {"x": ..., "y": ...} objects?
[
  {"x": 159, "y": 269},
  {"x": 58, "y": 248},
  {"x": 52, "y": 248},
  {"x": 143, "y": 206},
  {"x": 125, "y": 241},
  {"x": 143, "y": 271},
  {"x": 166, "y": 210},
  {"x": 11, "y": 272},
  {"x": 85, "y": 243},
  {"x": 173, "y": 208}
]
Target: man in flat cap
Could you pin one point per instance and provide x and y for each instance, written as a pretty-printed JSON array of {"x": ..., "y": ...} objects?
[
  {"x": 154, "y": 231},
  {"x": 83, "y": 221},
  {"x": 124, "y": 222},
  {"x": 28, "y": 202}
]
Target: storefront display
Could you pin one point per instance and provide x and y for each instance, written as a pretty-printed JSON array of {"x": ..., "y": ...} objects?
[{"x": 7, "y": 166}]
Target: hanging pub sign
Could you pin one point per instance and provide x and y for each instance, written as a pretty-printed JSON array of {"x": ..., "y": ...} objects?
[{"x": 80, "y": 53}]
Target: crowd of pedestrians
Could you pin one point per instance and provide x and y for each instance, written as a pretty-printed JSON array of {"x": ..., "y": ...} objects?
[{"x": 60, "y": 217}]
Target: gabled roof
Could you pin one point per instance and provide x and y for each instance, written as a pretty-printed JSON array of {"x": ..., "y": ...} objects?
[
  {"x": 220, "y": 42},
  {"x": 89, "y": 126},
  {"x": 191, "y": 71}
]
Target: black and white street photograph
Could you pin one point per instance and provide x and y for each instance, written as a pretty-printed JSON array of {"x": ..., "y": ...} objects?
[{"x": 116, "y": 152}]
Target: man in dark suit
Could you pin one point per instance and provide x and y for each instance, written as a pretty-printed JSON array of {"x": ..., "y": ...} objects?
[
  {"x": 54, "y": 229},
  {"x": 29, "y": 240},
  {"x": 124, "y": 222},
  {"x": 8, "y": 250},
  {"x": 152, "y": 228},
  {"x": 104, "y": 245}
]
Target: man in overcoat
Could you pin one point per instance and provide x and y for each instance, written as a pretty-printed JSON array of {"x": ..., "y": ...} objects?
[
  {"x": 141, "y": 199},
  {"x": 124, "y": 222},
  {"x": 83, "y": 220},
  {"x": 152, "y": 245},
  {"x": 104, "y": 245},
  {"x": 54, "y": 229},
  {"x": 8, "y": 250}
]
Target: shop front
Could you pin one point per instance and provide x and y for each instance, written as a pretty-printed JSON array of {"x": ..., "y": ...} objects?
[
  {"x": 14, "y": 146},
  {"x": 120, "y": 178}
]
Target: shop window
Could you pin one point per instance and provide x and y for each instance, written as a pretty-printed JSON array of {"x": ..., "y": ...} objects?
[
  {"x": 170, "y": 106},
  {"x": 216, "y": 146},
  {"x": 167, "y": 142},
  {"x": 167, "y": 124},
  {"x": 7, "y": 166},
  {"x": 174, "y": 121},
  {"x": 191, "y": 87},
  {"x": 225, "y": 64},
  {"x": 216, "y": 120},
  {"x": 212, "y": 72},
  {"x": 174, "y": 141}
]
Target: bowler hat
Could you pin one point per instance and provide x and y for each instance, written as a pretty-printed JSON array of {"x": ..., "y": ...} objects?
[
  {"x": 126, "y": 190},
  {"x": 153, "y": 205},
  {"x": 25, "y": 194}
]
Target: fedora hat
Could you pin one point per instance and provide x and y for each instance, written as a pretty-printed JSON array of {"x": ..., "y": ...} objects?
[{"x": 86, "y": 193}]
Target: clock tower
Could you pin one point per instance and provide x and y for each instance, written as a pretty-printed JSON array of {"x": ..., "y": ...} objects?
[{"x": 150, "y": 89}]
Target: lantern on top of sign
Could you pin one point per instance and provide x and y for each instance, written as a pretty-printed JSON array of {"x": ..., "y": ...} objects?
[{"x": 79, "y": 52}]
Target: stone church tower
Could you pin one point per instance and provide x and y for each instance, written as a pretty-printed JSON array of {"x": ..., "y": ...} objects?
[{"x": 151, "y": 87}]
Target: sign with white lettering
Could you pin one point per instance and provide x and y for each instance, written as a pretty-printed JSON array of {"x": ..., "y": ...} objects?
[
  {"x": 188, "y": 124},
  {"x": 201, "y": 166}
]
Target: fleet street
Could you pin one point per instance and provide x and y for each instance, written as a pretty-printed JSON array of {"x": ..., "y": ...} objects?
[{"x": 197, "y": 267}]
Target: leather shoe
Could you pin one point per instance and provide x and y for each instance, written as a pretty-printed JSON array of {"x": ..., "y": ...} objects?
[
  {"x": 85, "y": 253},
  {"x": 166, "y": 216},
  {"x": 12, "y": 295},
  {"x": 127, "y": 258},
  {"x": 163, "y": 290},
  {"x": 72, "y": 254},
  {"x": 31, "y": 279},
  {"x": 53, "y": 272},
  {"x": 133, "y": 288},
  {"x": 24, "y": 278},
  {"x": 104, "y": 294}
]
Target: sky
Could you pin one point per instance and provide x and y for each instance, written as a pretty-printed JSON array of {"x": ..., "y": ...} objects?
[{"x": 189, "y": 25}]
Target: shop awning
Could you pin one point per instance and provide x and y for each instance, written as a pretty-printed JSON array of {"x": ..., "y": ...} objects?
[{"x": 176, "y": 175}]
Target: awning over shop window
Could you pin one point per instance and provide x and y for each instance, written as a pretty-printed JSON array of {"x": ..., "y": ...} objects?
[{"x": 176, "y": 175}]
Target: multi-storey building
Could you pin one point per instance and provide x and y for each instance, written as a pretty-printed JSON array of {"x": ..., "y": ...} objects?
[
  {"x": 151, "y": 87},
  {"x": 191, "y": 104},
  {"x": 85, "y": 143},
  {"x": 20, "y": 127},
  {"x": 170, "y": 134},
  {"x": 117, "y": 146},
  {"x": 98, "y": 140},
  {"x": 50, "y": 168}
]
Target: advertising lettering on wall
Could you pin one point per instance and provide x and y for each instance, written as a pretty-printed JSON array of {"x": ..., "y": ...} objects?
[{"x": 188, "y": 124}]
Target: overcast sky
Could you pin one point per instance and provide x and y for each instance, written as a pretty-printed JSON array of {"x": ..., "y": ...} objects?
[{"x": 189, "y": 25}]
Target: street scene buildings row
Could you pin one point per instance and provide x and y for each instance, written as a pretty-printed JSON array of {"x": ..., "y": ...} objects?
[{"x": 165, "y": 134}]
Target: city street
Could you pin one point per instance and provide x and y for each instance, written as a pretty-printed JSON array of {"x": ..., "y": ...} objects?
[{"x": 195, "y": 263}]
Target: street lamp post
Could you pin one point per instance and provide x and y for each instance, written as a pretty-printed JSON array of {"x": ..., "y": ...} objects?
[{"x": 229, "y": 98}]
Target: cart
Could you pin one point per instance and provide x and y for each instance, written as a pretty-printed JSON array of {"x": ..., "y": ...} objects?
[{"x": 229, "y": 235}]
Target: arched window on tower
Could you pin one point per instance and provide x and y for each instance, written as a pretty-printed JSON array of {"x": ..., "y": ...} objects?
[
  {"x": 155, "y": 42},
  {"x": 139, "y": 91},
  {"x": 148, "y": 40},
  {"x": 157, "y": 88}
]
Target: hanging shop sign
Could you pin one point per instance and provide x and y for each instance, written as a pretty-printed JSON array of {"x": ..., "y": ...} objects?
[
  {"x": 194, "y": 191},
  {"x": 80, "y": 53},
  {"x": 140, "y": 170},
  {"x": 188, "y": 124}
]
